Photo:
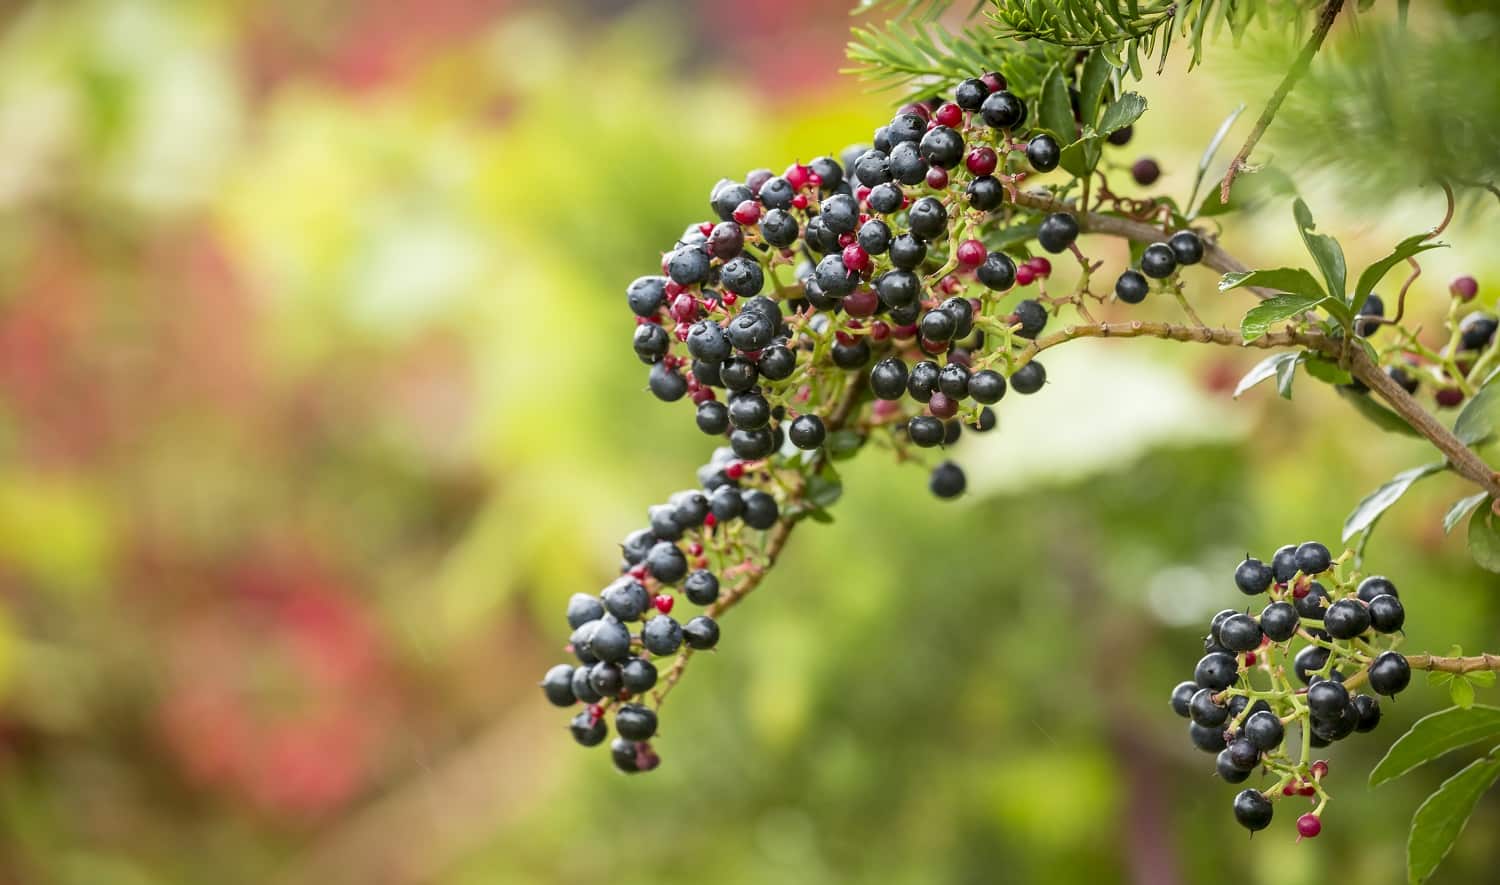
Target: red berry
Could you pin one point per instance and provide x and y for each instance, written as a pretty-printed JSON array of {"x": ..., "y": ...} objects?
[
  {"x": 680, "y": 331},
  {"x": 1145, "y": 171},
  {"x": 663, "y": 603},
  {"x": 1025, "y": 276},
  {"x": 1449, "y": 397},
  {"x": 937, "y": 178},
  {"x": 1308, "y": 790},
  {"x": 1040, "y": 266},
  {"x": 879, "y": 330},
  {"x": 706, "y": 228},
  {"x": 703, "y": 395},
  {"x": 695, "y": 549},
  {"x": 710, "y": 521},
  {"x": 982, "y": 160},
  {"x": 1319, "y": 770},
  {"x": 797, "y": 175},
  {"x": 861, "y": 194},
  {"x": 638, "y": 572},
  {"x": 848, "y": 239},
  {"x": 861, "y": 303},
  {"x": 735, "y": 470},
  {"x": 855, "y": 258},
  {"x": 994, "y": 81},
  {"x": 1249, "y": 659},
  {"x": 949, "y": 114},
  {"x": 1464, "y": 288},
  {"x": 814, "y": 179},
  {"x": 971, "y": 253},
  {"x": 684, "y": 308},
  {"x": 916, "y": 107},
  {"x": 730, "y": 298},
  {"x": 673, "y": 288},
  {"x": 904, "y": 332},
  {"x": 1288, "y": 790},
  {"x": 942, "y": 406},
  {"x": 1309, "y": 826},
  {"x": 800, "y": 201},
  {"x": 595, "y": 712},
  {"x": 747, "y": 212}
]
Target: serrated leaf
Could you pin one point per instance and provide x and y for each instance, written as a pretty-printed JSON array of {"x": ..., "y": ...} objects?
[
  {"x": 1462, "y": 693},
  {"x": 1293, "y": 280},
  {"x": 1377, "y": 414},
  {"x": 1372, "y": 275},
  {"x": 1325, "y": 250},
  {"x": 1122, "y": 112},
  {"x": 1435, "y": 735},
  {"x": 1461, "y": 508},
  {"x": 1056, "y": 112},
  {"x": 1268, "y": 313},
  {"x": 1263, "y": 370},
  {"x": 1480, "y": 418},
  {"x": 1484, "y": 538},
  {"x": 1441, "y": 818},
  {"x": 1377, "y": 502}
]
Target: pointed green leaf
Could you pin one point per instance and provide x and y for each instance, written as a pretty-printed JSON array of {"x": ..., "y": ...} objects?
[
  {"x": 1211, "y": 149},
  {"x": 1056, "y": 111},
  {"x": 1461, "y": 508},
  {"x": 1377, "y": 414},
  {"x": 1484, "y": 538},
  {"x": 1327, "y": 371},
  {"x": 1294, "y": 280},
  {"x": 1263, "y": 370},
  {"x": 1121, "y": 113},
  {"x": 1286, "y": 373},
  {"x": 1481, "y": 678},
  {"x": 1091, "y": 83},
  {"x": 1479, "y": 420},
  {"x": 1373, "y": 274},
  {"x": 1268, "y": 313},
  {"x": 1377, "y": 502},
  {"x": 1435, "y": 735},
  {"x": 1462, "y": 693},
  {"x": 1325, "y": 250},
  {"x": 1439, "y": 821}
]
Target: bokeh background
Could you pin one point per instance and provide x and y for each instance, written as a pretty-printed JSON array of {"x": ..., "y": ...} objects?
[{"x": 316, "y": 403}]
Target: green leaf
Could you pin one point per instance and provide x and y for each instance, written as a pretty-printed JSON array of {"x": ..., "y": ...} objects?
[
  {"x": 1091, "y": 83},
  {"x": 1462, "y": 693},
  {"x": 818, "y": 514},
  {"x": 1286, "y": 373},
  {"x": 843, "y": 444},
  {"x": 825, "y": 488},
  {"x": 1481, "y": 678},
  {"x": 1056, "y": 112},
  {"x": 1079, "y": 158},
  {"x": 1377, "y": 414},
  {"x": 1325, "y": 250},
  {"x": 1439, "y": 821},
  {"x": 1327, "y": 371},
  {"x": 1268, "y": 313},
  {"x": 1121, "y": 113},
  {"x": 1263, "y": 370},
  {"x": 1435, "y": 735},
  {"x": 1372, "y": 275},
  {"x": 1251, "y": 191},
  {"x": 1211, "y": 149},
  {"x": 1377, "y": 502},
  {"x": 1283, "y": 279},
  {"x": 1484, "y": 537},
  {"x": 1478, "y": 421},
  {"x": 1461, "y": 508}
]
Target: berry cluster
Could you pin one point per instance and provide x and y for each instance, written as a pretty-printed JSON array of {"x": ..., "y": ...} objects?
[
  {"x": 1452, "y": 370},
  {"x": 1240, "y": 701},
  {"x": 618, "y": 632},
  {"x": 810, "y": 275}
]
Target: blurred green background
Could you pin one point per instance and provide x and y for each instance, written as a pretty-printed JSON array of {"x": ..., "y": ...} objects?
[{"x": 317, "y": 402}]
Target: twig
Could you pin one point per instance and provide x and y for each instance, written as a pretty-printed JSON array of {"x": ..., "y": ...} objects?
[
  {"x": 1454, "y": 665},
  {"x": 1298, "y": 69}
]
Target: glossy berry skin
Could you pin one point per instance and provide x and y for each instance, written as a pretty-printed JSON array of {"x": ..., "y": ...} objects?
[
  {"x": 997, "y": 273},
  {"x": 942, "y": 147},
  {"x": 1279, "y": 621},
  {"x": 1313, "y": 558},
  {"x": 761, "y": 511},
  {"x": 1228, "y": 771},
  {"x": 777, "y": 362},
  {"x": 626, "y": 599},
  {"x": 701, "y": 633},
  {"x": 1253, "y": 577},
  {"x": 701, "y": 587},
  {"x": 646, "y": 295},
  {"x": 606, "y": 679},
  {"x": 1158, "y": 262},
  {"x": 1308, "y": 825},
  {"x": 922, "y": 381},
  {"x": 1132, "y": 287},
  {"x": 1182, "y": 698},
  {"x": 874, "y": 236},
  {"x": 938, "y": 325},
  {"x": 583, "y": 608},
  {"x": 1476, "y": 331},
  {"x": 713, "y": 417},
  {"x": 1314, "y": 604},
  {"x": 1186, "y": 246},
  {"x": 1387, "y": 615},
  {"x": 624, "y": 754},
  {"x": 1043, "y": 152},
  {"x": 1346, "y": 619},
  {"x": 661, "y": 635},
  {"x": 1243, "y": 754},
  {"x": 1209, "y": 740},
  {"x": 1284, "y": 563},
  {"x": 635, "y": 722},
  {"x": 953, "y": 380},
  {"x": 1327, "y": 699},
  {"x": 1032, "y": 318},
  {"x": 1368, "y": 709},
  {"x": 1145, "y": 171},
  {"x": 1002, "y": 110},
  {"x": 583, "y": 688},
  {"x": 927, "y": 219},
  {"x": 588, "y": 730},
  {"x": 557, "y": 685},
  {"x": 610, "y": 641},
  {"x": 947, "y": 481},
  {"x": 987, "y": 386},
  {"x": 807, "y": 432},
  {"x": 1252, "y": 810},
  {"x": 970, "y": 94},
  {"x": 1205, "y": 711},
  {"x": 1029, "y": 378},
  {"x": 888, "y": 379},
  {"x": 1216, "y": 670},
  {"x": 1389, "y": 674},
  {"x": 1057, "y": 232},
  {"x": 1240, "y": 633},
  {"x": 985, "y": 193},
  {"x": 1309, "y": 659},
  {"x": 752, "y": 444},
  {"x": 1264, "y": 730},
  {"x": 1376, "y": 585},
  {"x": 638, "y": 675},
  {"x": 925, "y": 431}
]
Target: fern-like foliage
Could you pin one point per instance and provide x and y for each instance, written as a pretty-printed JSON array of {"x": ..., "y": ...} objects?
[
  {"x": 1127, "y": 31},
  {"x": 923, "y": 58}
]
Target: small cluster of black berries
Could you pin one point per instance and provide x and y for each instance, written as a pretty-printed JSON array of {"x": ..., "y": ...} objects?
[
  {"x": 1471, "y": 347},
  {"x": 885, "y": 262},
  {"x": 1241, "y": 700},
  {"x": 618, "y": 631}
]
